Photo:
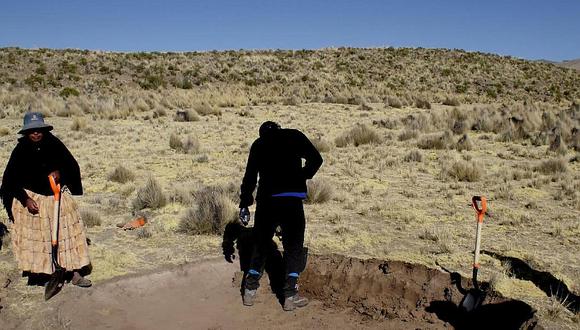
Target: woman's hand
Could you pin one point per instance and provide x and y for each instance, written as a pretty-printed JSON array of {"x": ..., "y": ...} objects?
[
  {"x": 31, "y": 206},
  {"x": 56, "y": 176}
]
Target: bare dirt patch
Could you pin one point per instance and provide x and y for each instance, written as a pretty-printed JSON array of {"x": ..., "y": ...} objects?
[{"x": 346, "y": 293}]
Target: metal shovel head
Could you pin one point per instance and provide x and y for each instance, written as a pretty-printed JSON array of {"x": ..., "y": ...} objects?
[
  {"x": 472, "y": 300},
  {"x": 55, "y": 283}
]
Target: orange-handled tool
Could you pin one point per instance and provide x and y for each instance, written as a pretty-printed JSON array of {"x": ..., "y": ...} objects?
[
  {"x": 54, "y": 225},
  {"x": 475, "y": 297},
  {"x": 476, "y": 201},
  {"x": 56, "y": 280}
]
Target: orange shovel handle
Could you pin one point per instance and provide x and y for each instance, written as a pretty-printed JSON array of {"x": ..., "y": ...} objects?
[
  {"x": 55, "y": 187},
  {"x": 480, "y": 211}
]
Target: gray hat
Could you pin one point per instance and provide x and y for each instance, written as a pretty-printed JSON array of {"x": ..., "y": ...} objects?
[{"x": 34, "y": 120}]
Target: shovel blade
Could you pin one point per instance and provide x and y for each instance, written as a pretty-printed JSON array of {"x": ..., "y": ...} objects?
[
  {"x": 472, "y": 300},
  {"x": 55, "y": 283}
]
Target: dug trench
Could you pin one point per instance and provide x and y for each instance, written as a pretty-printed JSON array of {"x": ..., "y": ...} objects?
[{"x": 345, "y": 293}]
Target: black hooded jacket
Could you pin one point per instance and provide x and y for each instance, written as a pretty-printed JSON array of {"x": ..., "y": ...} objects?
[
  {"x": 277, "y": 159},
  {"x": 29, "y": 166}
]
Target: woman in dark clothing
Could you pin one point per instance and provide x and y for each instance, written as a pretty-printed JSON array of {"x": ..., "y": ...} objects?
[{"x": 27, "y": 197}]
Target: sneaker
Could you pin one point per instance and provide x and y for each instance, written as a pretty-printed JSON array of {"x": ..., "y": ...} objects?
[
  {"x": 290, "y": 303},
  {"x": 80, "y": 281},
  {"x": 249, "y": 297}
]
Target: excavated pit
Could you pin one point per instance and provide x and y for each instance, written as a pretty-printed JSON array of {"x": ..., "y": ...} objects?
[{"x": 409, "y": 292}]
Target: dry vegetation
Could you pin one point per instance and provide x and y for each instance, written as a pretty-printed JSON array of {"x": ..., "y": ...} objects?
[{"x": 408, "y": 136}]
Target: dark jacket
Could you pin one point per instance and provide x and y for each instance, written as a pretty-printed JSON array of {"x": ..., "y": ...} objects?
[
  {"x": 29, "y": 166},
  {"x": 277, "y": 159}
]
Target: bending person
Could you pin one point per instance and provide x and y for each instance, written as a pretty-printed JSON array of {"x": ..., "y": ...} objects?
[
  {"x": 28, "y": 200},
  {"x": 276, "y": 157}
]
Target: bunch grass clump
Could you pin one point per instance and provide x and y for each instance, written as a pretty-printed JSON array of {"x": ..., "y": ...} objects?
[
  {"x": 187, "y": 115},
  {"x": 413, "y": 156},
  {"x": 319, "y": 191},
  {"x": 150, "y": 196},
  {"x": 552, "y": 166},
  {"x": 190, "y": 145},
  {"x": 321, "y": 145},
  {"x": 121, "y": 174},
  {"x": 463, "y": 171},
  {"x": 359, "y": 135},
  {"x": 213, "y": 209},
  {"x": 90, "y": 218}
]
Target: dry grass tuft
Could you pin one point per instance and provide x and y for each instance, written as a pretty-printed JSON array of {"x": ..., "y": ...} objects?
[
  {"x": 413, "y": 156},
  {"x": 205, "y": 109},
  {"x": 184, "y": 115},
  {"x": 190, "y": 145},
  {"x": 359, "y": 135},
  {"x": 121, "y": 174},
  {"x": 149, "y": 196},
  {"x": 144, "y": 233},
  {"x": 451, "y": 101},
  {"x": 319, "y": 191},
  {"x": 321, "y": 145},
  {"x": 408, "y": 134},
  {"x": 436, "y": 141},
  {"x": 78, "y": 124},
  {"x": 213, "y": 209},
  {"x": 463, "y": 171},
  {"x": 552, "y": 166},
  {"x": 90, "y": 218},
  {"x": 464, "y": 143}
]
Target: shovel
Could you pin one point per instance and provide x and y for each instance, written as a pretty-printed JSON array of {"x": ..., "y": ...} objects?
[
  {"x": 56, "y": 281},
  {"x": 474, "y": 297}
]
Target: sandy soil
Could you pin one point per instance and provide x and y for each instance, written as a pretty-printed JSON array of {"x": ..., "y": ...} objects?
[
  {"x": 346, "y": 293},
  {"x": 196, "y": 296}
]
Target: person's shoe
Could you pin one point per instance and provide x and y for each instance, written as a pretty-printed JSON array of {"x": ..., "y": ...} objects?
[
  {"x": 80, "y": 281},
  {"x": 290, "y": 303},
  {"x": 249, "y": 297}
]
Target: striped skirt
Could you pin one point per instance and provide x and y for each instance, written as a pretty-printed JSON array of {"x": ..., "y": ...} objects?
[{"x": 31, "y": 235}]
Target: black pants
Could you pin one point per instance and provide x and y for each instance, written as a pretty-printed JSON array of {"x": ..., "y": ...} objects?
[{"x": 288, "y": 213}]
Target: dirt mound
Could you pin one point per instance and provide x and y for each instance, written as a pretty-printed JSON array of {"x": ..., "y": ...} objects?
[
  {"x": 407, "y": 292},
  {"x": 345, "y": 293}
]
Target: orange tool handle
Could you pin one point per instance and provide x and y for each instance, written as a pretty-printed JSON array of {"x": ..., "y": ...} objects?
[
  {"x": 480, "y": 211},
  {"x": 54, "y": 225},
  {"x": 55, "y": 187}
]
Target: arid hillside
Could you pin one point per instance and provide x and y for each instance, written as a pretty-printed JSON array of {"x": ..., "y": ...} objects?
[
  {"x": 408, "y": 136},
  {"x": 343, "y": 75}
]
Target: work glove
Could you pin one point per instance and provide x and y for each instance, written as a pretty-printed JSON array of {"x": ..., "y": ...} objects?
[
  {"x": 244, "y": 216},
  {"x": 229, "y": 251}
]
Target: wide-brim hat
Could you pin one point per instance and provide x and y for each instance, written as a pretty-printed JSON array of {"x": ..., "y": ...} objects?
[{"x": 34, "y": 121}]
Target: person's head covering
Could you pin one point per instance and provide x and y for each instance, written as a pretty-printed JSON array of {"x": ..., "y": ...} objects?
[
  {"x": 267, "y": 128},
  {"x": 34, "y": 121}
]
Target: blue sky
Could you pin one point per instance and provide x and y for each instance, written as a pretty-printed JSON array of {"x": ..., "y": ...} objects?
[{"x": 529, "y": 29}]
